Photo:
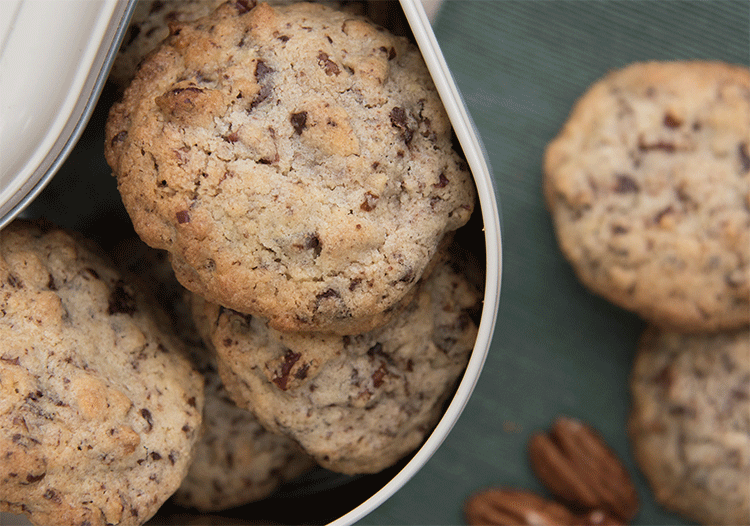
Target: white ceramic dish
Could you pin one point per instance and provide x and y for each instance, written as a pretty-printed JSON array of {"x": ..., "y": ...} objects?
[
  {"x": 54, "y": 59},
  {"x": 31, "y": 166}
]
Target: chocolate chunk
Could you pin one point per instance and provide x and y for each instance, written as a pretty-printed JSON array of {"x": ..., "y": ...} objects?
[
  {"x": 290, "y": 358},
  {"x": 183, "y": 216},
  {"x": 667, "y": 147},
  {"x": 146, "y": 414},
  {"x": 744, "y": 157},
  {"x": 121, "y": 301},
  {"x": 31, "y": 478},
  {"x": 301, "y": 373},
  {"x": 371, "y": 200},
  {"x": 378, "y": 377},
  {"x": 328, "y": 65},
  {"x": 119, "y": 137},
  {"x": 618, "y": 230},
  {"x": 312, "y": 242},
  {"x": 263, "y": 94},
  {"x": 442, "y": 181},
  {"x": 243, "y": 6},
  {"x": 262, "y": 70},
  {"x": 399, "y": 120},
  {"x": 671, "y": 122},
  {"x": 328, "y": 293},
  {"x": 625, "y": 184},
  {"x": 52, "y": 495},
  {"x": 299, "y": 121}
]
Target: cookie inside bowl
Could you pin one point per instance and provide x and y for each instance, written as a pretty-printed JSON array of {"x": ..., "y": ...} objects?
[{"x": 322, "y": 495}]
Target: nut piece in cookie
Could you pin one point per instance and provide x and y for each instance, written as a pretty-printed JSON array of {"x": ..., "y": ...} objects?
[
  {"x": 358, "y": 403},
  {"x": 648, "y": 184},
  {"x": 100, "y": 408},
  {"x": 296, "y": 162},
  {"x": 236, "y": 460},
  {"x": 690, "y": 422}
]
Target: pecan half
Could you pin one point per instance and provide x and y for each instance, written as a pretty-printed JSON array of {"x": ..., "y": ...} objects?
[
  {"x": 511, "y": 507},
  {"x": 575, "y": 463}
]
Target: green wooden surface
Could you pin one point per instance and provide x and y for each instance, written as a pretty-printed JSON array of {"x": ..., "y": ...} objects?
[{"x": 557, "y": 349}]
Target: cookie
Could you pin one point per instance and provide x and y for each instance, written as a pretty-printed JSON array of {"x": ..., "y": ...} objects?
[
  {"x": 236, "y": 460},
  {"x": 690, "y": 422},
  {"x": 100, "y": 407},
  {"x": 295, "y": 161},
  {"x": 357, "y": 404},
  {"x": 648, "y": 184},
  {"x": 149, "y": 25}
]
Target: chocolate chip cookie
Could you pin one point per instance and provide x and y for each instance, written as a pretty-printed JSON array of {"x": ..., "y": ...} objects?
[
  {"x": 236, "y": 460},
  {"x": 648, "y": 184},
  {"x": 357, "y": 403},
  {"x": 690, "y": 422},
  {"x": 100, "y": 407},
  {"x": 295, "y": 161}
]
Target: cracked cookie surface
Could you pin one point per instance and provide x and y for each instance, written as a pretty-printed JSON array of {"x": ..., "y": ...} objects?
[
  {"x": 295, "y": 161},
  {"x": 236, "y": 460},
  {"x": 100, "y": 407},
  {"x": 648, "y": 184},
  {"x": 690, "y": 422},
  {"x": 358, "y": 403}
]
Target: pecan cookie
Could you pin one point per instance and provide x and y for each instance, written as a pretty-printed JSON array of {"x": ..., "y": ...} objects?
[
  {"x": 690, "y": 422},
  {"x": 236, "y": 461},
  {"x": 295, "y": 161},
  {"x": 359, "y": 403},
  {"x": 99, "y": 406},
  {"x": 648, "y": 184}
]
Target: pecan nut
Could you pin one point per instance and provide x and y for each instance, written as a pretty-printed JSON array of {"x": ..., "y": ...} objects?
[
  {"x": 575, "y": 463},
  {"x": 511, "y": 507}
]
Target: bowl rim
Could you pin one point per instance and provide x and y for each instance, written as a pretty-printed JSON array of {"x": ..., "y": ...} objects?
[
  {"x": 476, "y": 157},
  {"x": 58, "y": 121}
]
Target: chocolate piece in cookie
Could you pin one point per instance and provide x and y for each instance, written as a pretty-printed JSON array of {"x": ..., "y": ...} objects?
[
  {"x": 690, "y": 422},
  {"x": 648, "y": 184},
  {"x": 295, "y": 161},
  {"x": 359, "y": 403},
  {"x": 236, "y": 460},
  {"x": 100, "y": 407}
]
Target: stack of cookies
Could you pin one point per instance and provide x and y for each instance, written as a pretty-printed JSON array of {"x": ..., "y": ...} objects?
[
  {"x": 295, "y": 296},
  {"x": 292, "y": 167},
  {"x": 648, "y": 184}
]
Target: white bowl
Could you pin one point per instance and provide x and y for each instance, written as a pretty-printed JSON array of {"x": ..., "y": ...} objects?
[{"x": 34, "y": 144}]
